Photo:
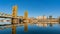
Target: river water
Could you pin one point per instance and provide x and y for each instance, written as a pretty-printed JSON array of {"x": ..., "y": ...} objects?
[{"x": 31, "y": 29}]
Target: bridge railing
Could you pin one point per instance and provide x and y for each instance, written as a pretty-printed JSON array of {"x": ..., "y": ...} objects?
[{"x": 5, "y": 15}]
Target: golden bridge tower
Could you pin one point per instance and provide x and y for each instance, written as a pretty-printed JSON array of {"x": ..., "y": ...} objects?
[
  {"x": 25, "y": 21},
  {"x": 26, "y": 15},
  {"x": 14, "y": 15}
]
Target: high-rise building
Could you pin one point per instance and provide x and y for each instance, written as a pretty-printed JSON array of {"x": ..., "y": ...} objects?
[{"x": 41, "y": 17}]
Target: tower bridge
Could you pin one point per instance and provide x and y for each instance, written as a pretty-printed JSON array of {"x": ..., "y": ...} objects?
[
  {"x": 14, "y": 18},
  {"x": 17, "y": 19}
]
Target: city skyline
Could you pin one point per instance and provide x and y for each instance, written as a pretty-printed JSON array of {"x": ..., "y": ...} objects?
[{"x": 34, "y": 7}]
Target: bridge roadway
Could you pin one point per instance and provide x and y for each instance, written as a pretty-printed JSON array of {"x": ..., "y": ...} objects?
[
  {"x": 6, "y": 17},
  {"x": 47, "y": 20},
  {"x": 53, "y": 19}
]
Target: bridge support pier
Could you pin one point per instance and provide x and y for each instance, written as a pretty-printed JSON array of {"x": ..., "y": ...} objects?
[
  {"x": 59, "y": 20},
  {"x": 15, "y": 21},
  {"x": 20, "y": 21}
]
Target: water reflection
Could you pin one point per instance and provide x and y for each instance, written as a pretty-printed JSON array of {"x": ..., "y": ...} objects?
[
  {"x": 51, "y": 24},
  {"x": 42, "y": 24},
  {"x": 13, "y": 29},
  {"x": 4, "y": 27},
  {"x": 45, "y": 24},
  {"x": 26, "y": 26}
]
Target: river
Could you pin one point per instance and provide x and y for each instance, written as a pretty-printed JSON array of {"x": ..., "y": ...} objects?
[{"x": 30, "y": 29}]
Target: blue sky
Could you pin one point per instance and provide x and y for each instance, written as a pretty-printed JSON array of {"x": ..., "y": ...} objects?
[{"x": 35, "y": 7}]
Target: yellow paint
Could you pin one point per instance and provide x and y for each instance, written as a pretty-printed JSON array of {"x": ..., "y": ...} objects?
[
  {"x": 14, "y": 15},
  {"x": 26, "y": 15},
  {"x": 14, "y": 11}
]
